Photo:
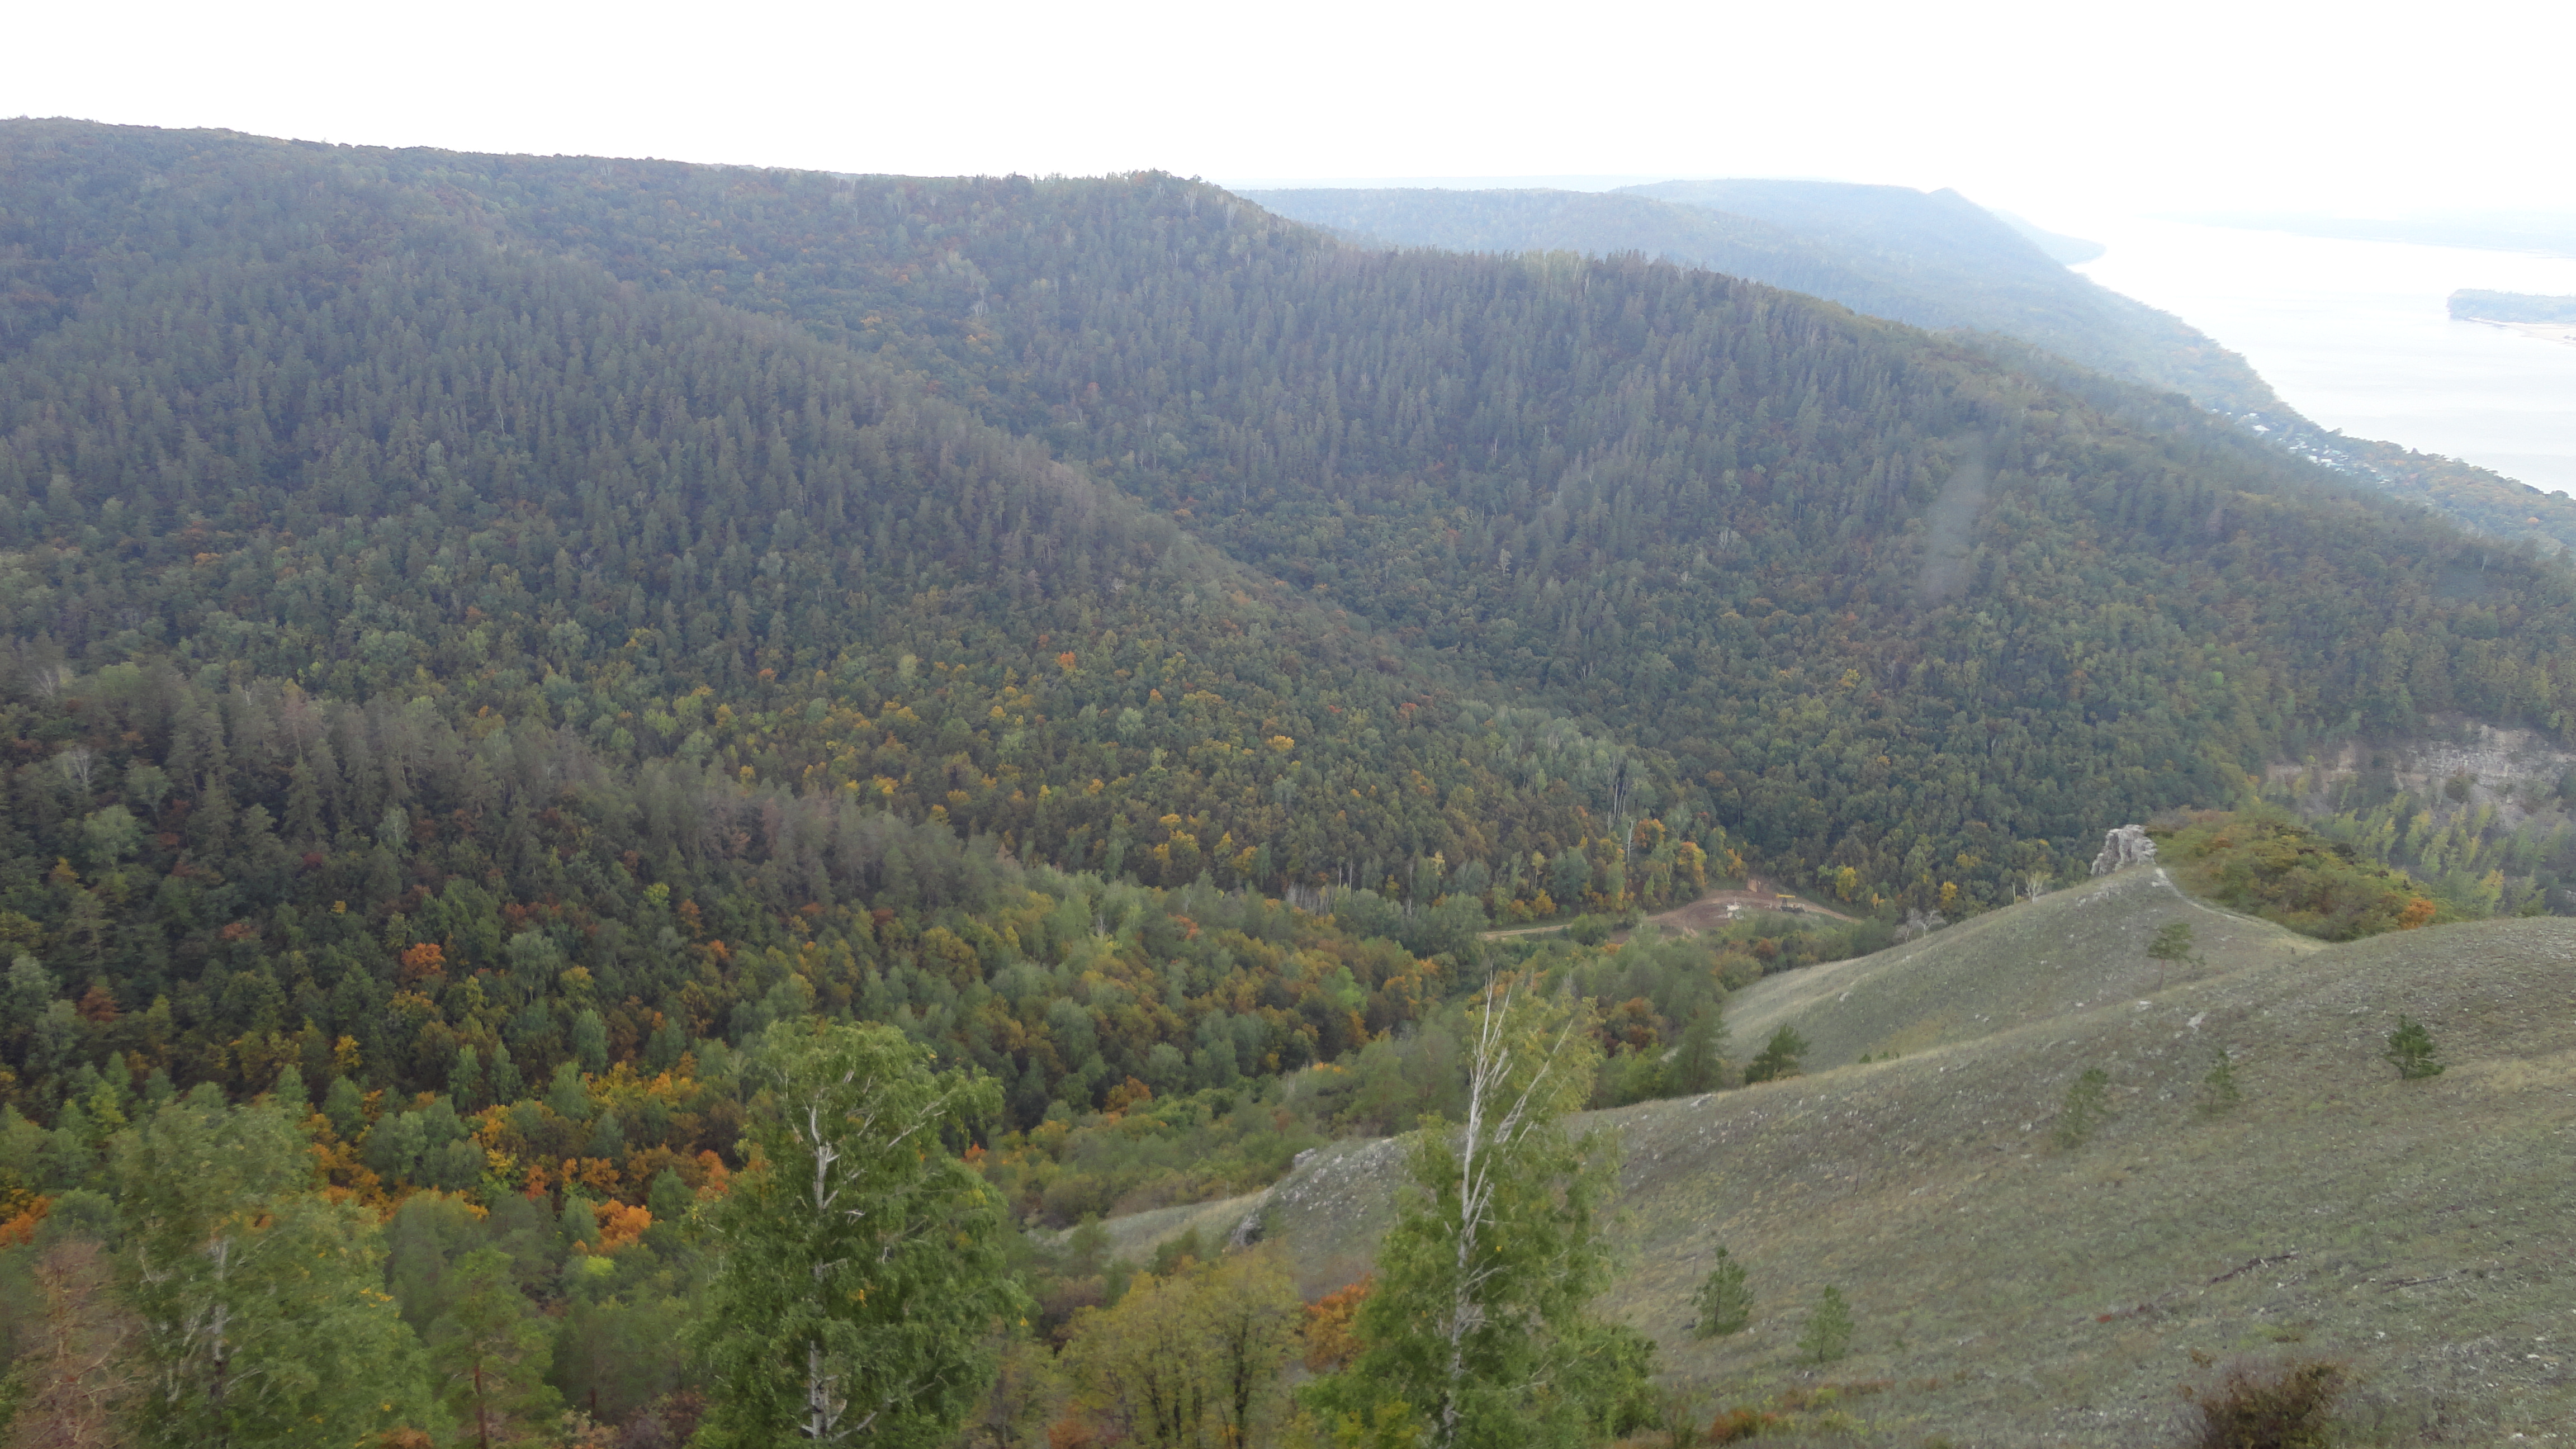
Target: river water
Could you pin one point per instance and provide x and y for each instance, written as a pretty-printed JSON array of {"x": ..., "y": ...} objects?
[{"x": 2355, "y": 335}]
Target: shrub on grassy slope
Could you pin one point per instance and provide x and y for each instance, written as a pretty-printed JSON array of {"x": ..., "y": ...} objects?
[
  {"x": 2410, "y": 1048},
  {"x": 2283, "y": 1409}
]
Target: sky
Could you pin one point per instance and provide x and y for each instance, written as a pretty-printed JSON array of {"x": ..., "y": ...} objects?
[{"x": 2362, "y": 108}]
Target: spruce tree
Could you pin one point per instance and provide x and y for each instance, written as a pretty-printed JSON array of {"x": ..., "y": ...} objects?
[
  {"x": 2219, "y": 1091},
  {"x": 1724, "y": 1301},
  {"x": 2087, "y": 1103},
  {"x": 1828, "y": 1333},
  {"x": 2410, "y": 1050},
  {"x": 1779, "y": 1057}
]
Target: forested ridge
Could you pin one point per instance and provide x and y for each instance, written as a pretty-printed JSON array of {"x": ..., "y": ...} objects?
[
  {"x": 1576, "y": 474},
  {"x": 490, "y": 641},
  {"x": 2483, "y": 306},
  {"x": 1933, "y": 260},
  {"x": 378, "y": 589}
]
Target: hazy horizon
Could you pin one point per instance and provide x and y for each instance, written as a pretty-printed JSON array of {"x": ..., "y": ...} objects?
[{"x": 2020, "y": 105}]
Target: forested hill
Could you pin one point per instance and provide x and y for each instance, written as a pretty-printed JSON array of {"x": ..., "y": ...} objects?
[
  {"x": 1933, "y": 260},
  {"x": 1698, "y": 511},
  {"x": 409, "y": 537},
  {"x": 436, "y": 663},
  {"x": 2469, "y": 303}
]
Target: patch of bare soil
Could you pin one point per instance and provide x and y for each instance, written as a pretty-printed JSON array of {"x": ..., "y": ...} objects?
[
  {"x": 1708, "y": 913},
  {"x": 1719, "y": 907}
]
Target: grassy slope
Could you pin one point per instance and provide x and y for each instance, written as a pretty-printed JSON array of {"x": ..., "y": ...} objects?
[
  {"x": 2002, "y": 970},
  {"x": 2015, "y": 1292}
]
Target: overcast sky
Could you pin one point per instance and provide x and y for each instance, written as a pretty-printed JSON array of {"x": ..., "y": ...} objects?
[{"x": 2365, "y": 108}]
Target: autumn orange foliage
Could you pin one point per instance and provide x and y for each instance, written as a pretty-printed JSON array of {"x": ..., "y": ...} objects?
[
  {"x": 19, "y": 1228},
  {"x": 1330, "y": 1342},
  {"x": 1737, "y": 1425},
  {"x": 620, "y": 1225},
  {"x": 717, "y": 1180},
  {"x": 426, "y": 959},
  {"x": 98, "y": 1006}
]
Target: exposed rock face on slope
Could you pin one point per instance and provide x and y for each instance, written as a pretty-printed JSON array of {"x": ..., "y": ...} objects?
[{"x": 2124, "y": 847}]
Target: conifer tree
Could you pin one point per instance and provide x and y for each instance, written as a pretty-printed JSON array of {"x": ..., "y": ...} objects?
[
  {"x": 490, "y": 1351},
  {"x": 1828, "y": 1332},
  {"x": 1724, "y": 1302},
  {"x": 2088, "y": 1100},
  {"x": 2410, "y": 1050},
  {"x": 1779, "y": 1057}
]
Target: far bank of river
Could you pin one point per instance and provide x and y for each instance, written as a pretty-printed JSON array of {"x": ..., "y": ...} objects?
[
  {"x": 2357, "y": 336},
  {"x": 2561, "y": 332}
]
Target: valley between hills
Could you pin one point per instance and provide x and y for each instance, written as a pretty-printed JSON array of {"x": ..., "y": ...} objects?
[{"x": 655, "y": 804}]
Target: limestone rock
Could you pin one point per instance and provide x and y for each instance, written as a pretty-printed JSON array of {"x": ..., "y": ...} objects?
[{"x": 2125, "y": 846}]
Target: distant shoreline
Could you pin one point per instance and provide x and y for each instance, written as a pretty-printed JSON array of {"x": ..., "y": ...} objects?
[{"x": 2562, "y": 333}]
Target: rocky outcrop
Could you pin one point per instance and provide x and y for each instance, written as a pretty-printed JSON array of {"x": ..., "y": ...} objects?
[{"x": 2124, "y": 847}]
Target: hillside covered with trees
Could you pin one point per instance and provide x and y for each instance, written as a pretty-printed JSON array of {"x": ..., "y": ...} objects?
[
  {"x": 490, "y": 641},
  {"x": 1934, "y": 260}
]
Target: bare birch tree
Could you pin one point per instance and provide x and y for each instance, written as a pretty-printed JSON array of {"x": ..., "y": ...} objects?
[{"x": 78, "y": 1371}]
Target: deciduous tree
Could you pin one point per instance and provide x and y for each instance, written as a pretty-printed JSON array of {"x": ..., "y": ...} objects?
[
  {"x": 1479, "y": 1324},
  {"x": 263, "y": 1316},
  {"x": 860, "y": 1274}
]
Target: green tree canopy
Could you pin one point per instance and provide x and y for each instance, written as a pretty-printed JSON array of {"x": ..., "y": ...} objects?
[
  {"x": 1480, "y": 1325},
  {"x": 860, "y": 1273},
  {"x": 264, "y": 1319}
]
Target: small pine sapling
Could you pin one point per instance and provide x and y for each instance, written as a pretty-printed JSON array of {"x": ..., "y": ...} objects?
[
  {"x": 2410, "y": 1049},
  {"x": 2087, "y": 1102},
  {"x": 1828, "y": 1333},
  {"x": 1725, "y": 1304},
  {"x": 1779, "y": 1057},
  {"x": 2171, "y": 948},
  {"x": 2218, "y": 1090}
]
